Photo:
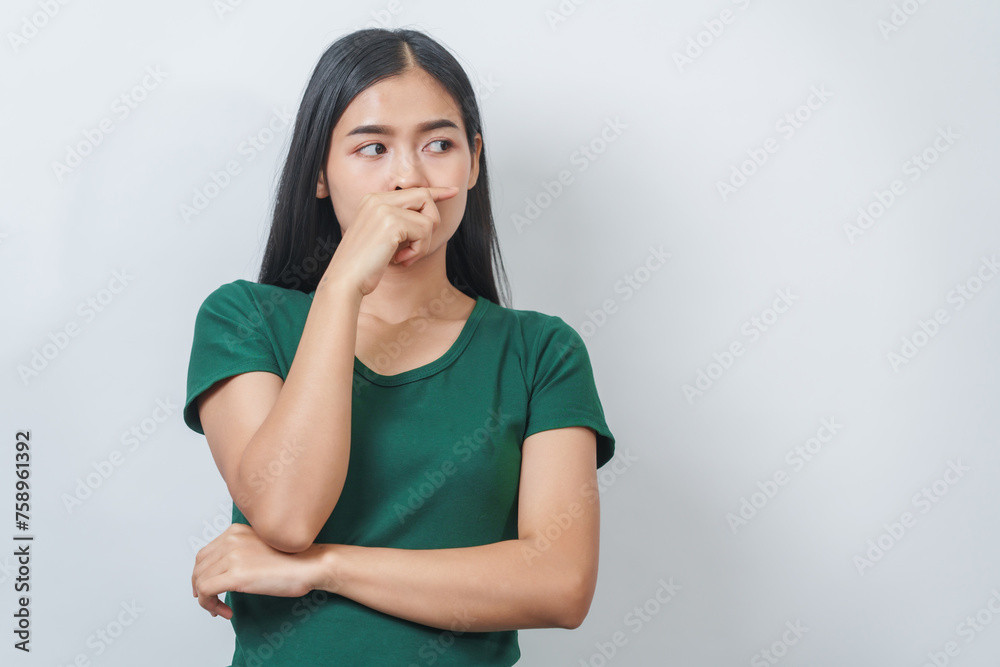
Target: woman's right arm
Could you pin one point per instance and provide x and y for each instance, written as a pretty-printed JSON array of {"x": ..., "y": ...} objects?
[{"x": 283, "y": 446}]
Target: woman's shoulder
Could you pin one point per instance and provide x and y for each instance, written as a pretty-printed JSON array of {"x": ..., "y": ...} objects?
[
  {"x": 243, "y": 300},
  {"x": 253, "y": 293},
  {"x": 533, "y": 324}
]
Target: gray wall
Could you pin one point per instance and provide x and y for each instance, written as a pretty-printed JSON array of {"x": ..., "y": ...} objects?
[{"x": 804, "y": 398}]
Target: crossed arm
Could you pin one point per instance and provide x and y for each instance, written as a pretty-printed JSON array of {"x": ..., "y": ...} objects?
[{"x": 544, "y": 578}]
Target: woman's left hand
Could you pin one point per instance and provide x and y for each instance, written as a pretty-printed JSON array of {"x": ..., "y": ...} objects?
[{"x": 238, "y": 560}]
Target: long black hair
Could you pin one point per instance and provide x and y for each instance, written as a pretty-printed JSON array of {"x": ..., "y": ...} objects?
[{"x": 304, "y": 229}]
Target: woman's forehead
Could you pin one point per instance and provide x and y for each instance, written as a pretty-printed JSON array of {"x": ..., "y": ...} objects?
[{"x": 401, "y": 102}]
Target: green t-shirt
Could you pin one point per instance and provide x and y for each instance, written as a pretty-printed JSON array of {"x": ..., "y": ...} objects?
[{"x": 435, "y": 463}]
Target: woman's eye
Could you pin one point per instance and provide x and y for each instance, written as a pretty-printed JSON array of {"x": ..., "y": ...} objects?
[
  {"x": 364, "y": 148},
  {"x": 371, "y": 150}
]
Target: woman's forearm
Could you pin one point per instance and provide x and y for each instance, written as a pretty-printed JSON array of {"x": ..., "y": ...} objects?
[
  {"x": 293, "y": 469},
  {"x": 506, "y": 585}
]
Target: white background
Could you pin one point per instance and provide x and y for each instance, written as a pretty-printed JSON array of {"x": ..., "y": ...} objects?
[{"x": 548, "y": 88}]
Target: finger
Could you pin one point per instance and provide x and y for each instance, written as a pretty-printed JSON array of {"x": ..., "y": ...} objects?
[
  {"x": 436, "y": 193},
  {"x": 405, "y": 257},
  {"x": 211, "y": 579},
  {"x": 441, "y": 193},
  {"x": 418, "y": 198},
  {"x": 211, "y": 588},
  {"x": 203, "y": 568},
  {"x": 222, "y": 609},
  {"x": 208, "y": 602},
  {"x": 414, "y": 251},
  {"x": 210, "y": 554},
  {"x": 215, "y": 606},
  {"x": 403, "y": 254},
  {"x": 415, "y": 232}
]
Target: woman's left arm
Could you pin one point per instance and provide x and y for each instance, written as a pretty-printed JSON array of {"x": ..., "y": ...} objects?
[{"x": 543, "y": 579}]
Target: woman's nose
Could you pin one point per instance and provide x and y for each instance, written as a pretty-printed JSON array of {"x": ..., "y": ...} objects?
[{"x": 407, "y": 173}]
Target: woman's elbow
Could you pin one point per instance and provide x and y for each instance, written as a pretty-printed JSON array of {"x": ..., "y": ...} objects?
[
  {"x": 291, "y": 530},
  {"x": 292, "y": 544},
  {"x": 575, "y": 600},
  {"x": 283, "y": 536}
]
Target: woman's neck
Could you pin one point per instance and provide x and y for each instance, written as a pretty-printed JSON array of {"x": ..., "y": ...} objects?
[{"x": 419, "y": 290}]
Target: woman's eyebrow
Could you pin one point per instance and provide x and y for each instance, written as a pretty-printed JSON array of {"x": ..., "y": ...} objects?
[{"x": 426, "y": 126}]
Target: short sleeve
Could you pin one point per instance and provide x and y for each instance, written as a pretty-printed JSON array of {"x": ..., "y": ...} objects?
[
  {"x": 229, "y": 339},
  {"x": 563, "y": 392}
]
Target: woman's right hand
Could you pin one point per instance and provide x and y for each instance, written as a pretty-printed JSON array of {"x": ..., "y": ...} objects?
[{"x": 389, "y": 227}]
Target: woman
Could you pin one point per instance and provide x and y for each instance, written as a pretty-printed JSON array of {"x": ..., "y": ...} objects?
[{"x": 412, "y": 464}]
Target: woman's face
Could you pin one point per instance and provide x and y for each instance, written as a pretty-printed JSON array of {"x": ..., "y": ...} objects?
[{"x": 405, "y": 131}]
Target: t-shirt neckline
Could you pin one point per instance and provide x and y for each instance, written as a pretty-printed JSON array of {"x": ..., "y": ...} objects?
[{"x": 432, "y": 367}]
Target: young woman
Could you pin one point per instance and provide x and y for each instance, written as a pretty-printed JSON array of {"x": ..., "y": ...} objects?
[{"x": 412, "y": 464}]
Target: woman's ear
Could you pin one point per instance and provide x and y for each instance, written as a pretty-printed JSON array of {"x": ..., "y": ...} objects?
[
  {"x": 322, "y": 192},
  {"x": 474, "y": 174}
]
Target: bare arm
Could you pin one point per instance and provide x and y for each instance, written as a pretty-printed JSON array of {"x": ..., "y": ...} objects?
[
  {"x": 545, "y": 578},
  {"x": 283, "y": 448},
  {"x": 295, "y": 436}
]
